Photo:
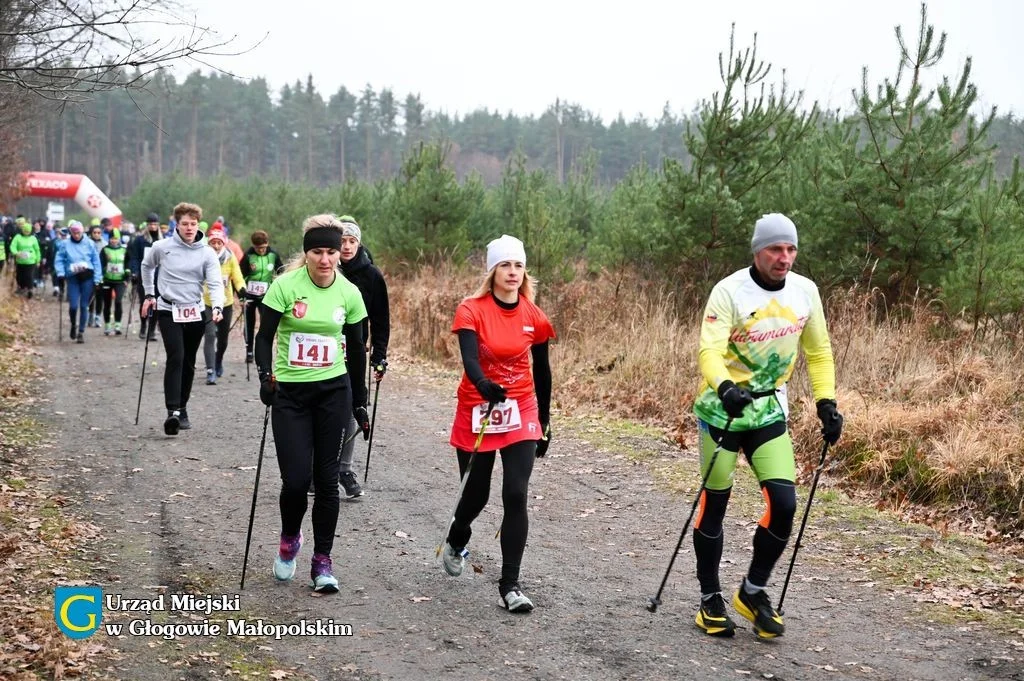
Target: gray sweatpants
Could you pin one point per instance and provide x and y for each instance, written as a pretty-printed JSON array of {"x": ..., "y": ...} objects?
[{"x": 348, "y": 449}]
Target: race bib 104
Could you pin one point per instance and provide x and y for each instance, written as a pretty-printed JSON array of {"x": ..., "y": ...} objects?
[
  {"x": 256, "y": 288},
  {"x": 312, "y": 350},
  {"x": 504, "y": 417},
  {"x": 184, "y": 313}
]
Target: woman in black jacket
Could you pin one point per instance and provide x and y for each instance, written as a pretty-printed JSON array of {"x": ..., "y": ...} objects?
[{"x": 359, "y": 269}]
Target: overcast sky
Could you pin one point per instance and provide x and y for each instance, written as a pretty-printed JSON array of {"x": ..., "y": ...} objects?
[{"x": 628, "y": 57}]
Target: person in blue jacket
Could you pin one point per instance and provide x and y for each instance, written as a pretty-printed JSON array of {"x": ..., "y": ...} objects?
[{"x": 78, "y": 263}]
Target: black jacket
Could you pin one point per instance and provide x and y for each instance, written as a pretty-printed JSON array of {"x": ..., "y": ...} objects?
[
  {"x": 137, "y": 250},
  {"x": 370, "y": 282}
]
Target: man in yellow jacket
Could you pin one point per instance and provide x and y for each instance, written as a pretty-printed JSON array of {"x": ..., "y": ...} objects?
[
  {"x": 755, "y": 323},
  {"x": 215, "y": 342}
]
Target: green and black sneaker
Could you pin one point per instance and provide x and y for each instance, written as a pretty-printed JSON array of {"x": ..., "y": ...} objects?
[
  {"x": 757, "y": 608},
  {"x": 713, "y": 618}
]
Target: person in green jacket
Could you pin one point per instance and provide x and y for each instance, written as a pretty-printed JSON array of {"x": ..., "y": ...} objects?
[
  {"x": 112, "y": 261},
  {"x": 25, "y": 248},
  {"x": 3, "y": 253}
]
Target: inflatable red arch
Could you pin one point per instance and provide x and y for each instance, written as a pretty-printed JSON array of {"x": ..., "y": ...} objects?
[{"x": 71, "y": 186}]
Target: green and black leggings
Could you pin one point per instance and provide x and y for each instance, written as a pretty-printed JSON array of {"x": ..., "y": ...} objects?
[{"x": 769, "y": 451}]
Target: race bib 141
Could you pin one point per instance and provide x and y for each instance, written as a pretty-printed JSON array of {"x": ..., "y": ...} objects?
[{"x": 312, "y": 350}]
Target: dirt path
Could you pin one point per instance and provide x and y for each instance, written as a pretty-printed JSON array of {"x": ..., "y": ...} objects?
[{"x": 174, "y": 513}]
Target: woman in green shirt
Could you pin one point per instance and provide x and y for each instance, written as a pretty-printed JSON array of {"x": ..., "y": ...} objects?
[{"x": 315, "y": 314}]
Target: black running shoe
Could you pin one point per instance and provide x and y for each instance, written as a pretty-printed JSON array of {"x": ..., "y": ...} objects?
[
  {"x": 757, "y": 608},
  {"x": 713, "y": 619},
  {"x": 350, "y": 485},
  {"x": 183, "y": 421},
  {"x": 173, "y": 422}
]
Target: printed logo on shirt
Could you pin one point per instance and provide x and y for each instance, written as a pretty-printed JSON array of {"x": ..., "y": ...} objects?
[
  {"x": 299, "y": 309},
  {"x": 712, "y": 318},
  {"x": 528, "y": 329},
  {"x": 339, "y": 315}
]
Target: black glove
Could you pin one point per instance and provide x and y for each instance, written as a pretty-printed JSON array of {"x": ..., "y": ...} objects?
[
  {"x": 831, "y": 421},
  {"x": 380, "y": 367},
  {"x": 542, "y": 445},
  {"x": 268, "y": 389},
  {"x": 241, "y": 295},
  {"x": 734, "y": 398},
  {"x": 490, "y": 391},
  {"x": 363, "y": 420}
]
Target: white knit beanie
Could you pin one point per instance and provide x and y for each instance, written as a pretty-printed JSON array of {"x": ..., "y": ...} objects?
[
  {"x": 505, "y": 248},
  {"x": 771, "y": 229}
]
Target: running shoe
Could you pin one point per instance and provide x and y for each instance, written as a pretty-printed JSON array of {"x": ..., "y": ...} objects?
[
  {"x": 454, "y": 561},
  {"x": 173, "y": 422},
  {"x": 284, "y": 563},
  {"x": 514, "y": 600},
  {"x": 757, "y": 607},
  {"x": 351, "y": 485},
  {"x": 320, "y": 576},
  {"x": 713, "y": 618}
]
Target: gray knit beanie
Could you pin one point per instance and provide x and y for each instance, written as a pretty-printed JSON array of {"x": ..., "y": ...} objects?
[{"x": 771, "y": 229}]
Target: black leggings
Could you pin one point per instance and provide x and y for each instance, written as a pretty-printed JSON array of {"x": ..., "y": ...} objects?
[
  {"x": 309, "y": 421},
  {"x": 112, "y": 292},
  {"x": 250, "y": 321},
  {"x": 181, "y": 341},
  {"x": 24, "y": 275},
  {"x": 516, "y": 465}
]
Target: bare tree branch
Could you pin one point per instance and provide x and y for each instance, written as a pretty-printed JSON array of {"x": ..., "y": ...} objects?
[{"x": 68, "y": 50}]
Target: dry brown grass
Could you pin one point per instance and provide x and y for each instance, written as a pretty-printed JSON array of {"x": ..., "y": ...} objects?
[{"x": 932, "y": 415}]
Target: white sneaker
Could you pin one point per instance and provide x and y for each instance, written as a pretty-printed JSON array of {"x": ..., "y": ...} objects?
[
  {"x": 454, "y": 561},
  {"x": 515, "y": 600}
]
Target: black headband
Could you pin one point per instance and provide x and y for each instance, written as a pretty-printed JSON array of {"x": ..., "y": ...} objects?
[{"x": 321, "y": 237}]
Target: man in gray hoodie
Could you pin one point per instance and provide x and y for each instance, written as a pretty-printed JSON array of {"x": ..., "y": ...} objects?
[{"x": 185, "y": 265}]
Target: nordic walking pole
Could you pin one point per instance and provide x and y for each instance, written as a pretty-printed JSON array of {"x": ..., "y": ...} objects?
[
  {"x": 245, "y": 335},
  {"x": 60, "y": 316},
  {"x": 373, "y": 422},
  {"x": 465, "y": 478},
  {"x": 255, "y": 490},
  {"x": 655, "y": 600},
  {"x": 803, "y": 523},
  {"x": 145, "y": 356}
]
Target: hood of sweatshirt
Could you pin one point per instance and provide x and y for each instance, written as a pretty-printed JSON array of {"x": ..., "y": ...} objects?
[
  {"x": 196, "y": 243},
  {"x": 360, "y": 262}
]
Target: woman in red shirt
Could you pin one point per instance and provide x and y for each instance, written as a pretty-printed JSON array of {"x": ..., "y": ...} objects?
[{"x": 499, "y": 327}]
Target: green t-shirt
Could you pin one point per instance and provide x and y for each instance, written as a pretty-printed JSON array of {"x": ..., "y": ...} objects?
[{"x": 310, "y": 340}]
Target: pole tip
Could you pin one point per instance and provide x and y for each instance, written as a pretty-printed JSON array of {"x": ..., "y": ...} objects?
[{"x": 652, "y": 603}]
